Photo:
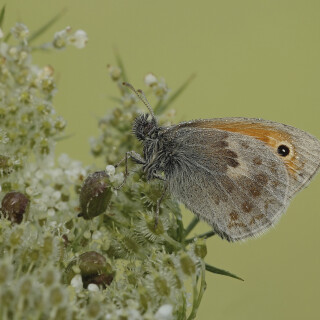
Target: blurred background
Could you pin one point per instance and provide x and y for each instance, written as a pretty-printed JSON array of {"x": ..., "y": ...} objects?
[{"x": 252, "y": 58}]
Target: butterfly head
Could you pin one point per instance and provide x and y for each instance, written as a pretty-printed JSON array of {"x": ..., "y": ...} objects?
[{"x": 145, "y": 127}]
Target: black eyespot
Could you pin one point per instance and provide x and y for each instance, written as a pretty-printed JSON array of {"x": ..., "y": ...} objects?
[{"x": 283, "y": 150}]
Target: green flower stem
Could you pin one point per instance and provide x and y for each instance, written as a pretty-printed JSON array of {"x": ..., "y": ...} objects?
[
  {"x": 173, "y": 242},
  {"x": 197, "y": 296},
  {"x": 205, "y": 235}
]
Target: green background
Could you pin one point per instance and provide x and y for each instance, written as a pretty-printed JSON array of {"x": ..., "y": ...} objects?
[{"x": 251, "y": 59}]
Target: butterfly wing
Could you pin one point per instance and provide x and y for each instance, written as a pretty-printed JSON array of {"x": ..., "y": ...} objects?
[{"x": 229, "y": 171}]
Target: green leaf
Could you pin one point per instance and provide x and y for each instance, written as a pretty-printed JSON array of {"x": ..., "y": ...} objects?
[
  {"x": 46, "y": 26},
  {"x": 222, "y": 272},
  {"x": 191, "y": 226},
  {"x": 121, "y": 65},
  {"x": 163, "y": 105},
  {"x": 64, "y": 137},
  {"x": 3, "y": 10}
]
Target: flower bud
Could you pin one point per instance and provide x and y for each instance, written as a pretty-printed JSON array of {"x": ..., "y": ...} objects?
[
  {"x": 95, "y": 195},
  {"x": 150, "y": 80},
  {"x": 114, "y": 72},
  {"x": 14, "y": 205}
]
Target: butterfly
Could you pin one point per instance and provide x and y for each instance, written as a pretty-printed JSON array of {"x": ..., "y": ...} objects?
[{"x": 237, "y": 174}]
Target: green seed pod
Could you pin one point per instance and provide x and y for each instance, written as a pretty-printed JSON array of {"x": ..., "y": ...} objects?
[
  {"x": 187, "y": 264},
  {"x": 161, "y": 285},
  {"x": 95, "y": 195},
  {"x": 14, "y": 205},
  {"x": 200, "y": 248},
  {"x": 93, "y": 267},
  {"x": 114, "y": 72},
  {"x": 91, "y": 262}
]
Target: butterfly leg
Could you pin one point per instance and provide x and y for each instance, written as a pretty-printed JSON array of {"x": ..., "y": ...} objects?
[
  {"x": 135, "y": 157},
  {"x": 156, "y": 218}
]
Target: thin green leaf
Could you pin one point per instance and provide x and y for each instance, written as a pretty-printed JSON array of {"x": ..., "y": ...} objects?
[
  {"x": 191, "y": 226},
  {"x": 3, "y": 10},
  {"x": 163, "y": 105},
  {"x": 64, "y": 137},
  {"x": 213, "y": 269},
  {"x": 121, "y": 65},
  {"x": 46, "y": 26}
]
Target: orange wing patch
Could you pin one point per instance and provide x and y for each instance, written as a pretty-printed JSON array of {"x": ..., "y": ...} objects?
[{"x": 271, "y": 136}]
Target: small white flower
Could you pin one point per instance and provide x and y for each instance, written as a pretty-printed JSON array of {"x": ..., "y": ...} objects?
[
  {"x": 64, "y": 160},
  {"x": 87, "y": 234},
  {"x": 150, "y": 79},
  {"x": 110, "y": 170},
  {"x": 77, "y": 283},
  {"x": 53, "y": 224},
  {"x": 20, "y": 31},
  {"x": 60, "y": 38},
  {"x": 62, "y": 206},
  {"x": 39, "y": 175},
  {"x": 79, "y": 39},
  {"x": 72, "y": 175},
  {"x": 93, "y": 287},
  {"x": 51, "y": 212},
  {"x": 56, "y": 195},
  {"x": 118, "y": 178},
  {"x": 96, "y": 235},
  {"x": 13, "y": 52},
  {"x": 164, "y": 312},
  {"x": 41, "y": 206},
  {"x": 30, "y": 191},
  {"x": 56, "y": 173},
  {"x": 134, "y": 314}
]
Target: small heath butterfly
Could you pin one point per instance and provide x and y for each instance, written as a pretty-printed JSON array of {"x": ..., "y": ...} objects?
[{"x": 237, "y": 174}]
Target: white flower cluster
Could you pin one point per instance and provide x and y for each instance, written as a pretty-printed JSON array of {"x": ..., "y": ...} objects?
[
  {"x": 117, "y": 178},
  {"x": 50, "y": 185},
  {"x": 159, "y": 86},
  {"x": 64, "y": 37}
]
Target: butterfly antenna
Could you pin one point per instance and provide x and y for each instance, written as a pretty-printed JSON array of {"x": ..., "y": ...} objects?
[{"x": 139, "y": 93}]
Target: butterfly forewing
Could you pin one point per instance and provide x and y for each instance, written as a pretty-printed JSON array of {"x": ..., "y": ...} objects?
[{"x": 303, "y": 160}]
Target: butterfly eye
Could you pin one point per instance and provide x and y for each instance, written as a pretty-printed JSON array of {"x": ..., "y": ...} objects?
[{"x": 283, "y": 150}]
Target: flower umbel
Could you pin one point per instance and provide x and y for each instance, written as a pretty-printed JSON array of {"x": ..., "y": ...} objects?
[{"x": 77, "y": 242}]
